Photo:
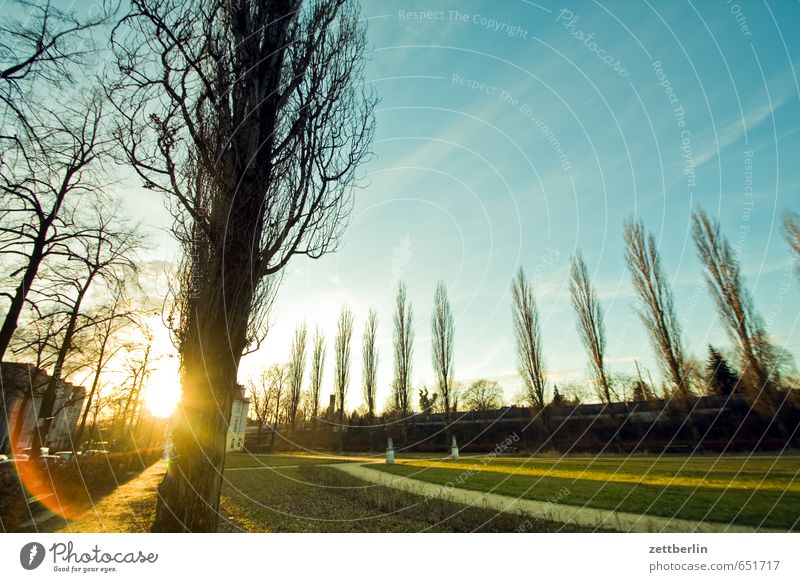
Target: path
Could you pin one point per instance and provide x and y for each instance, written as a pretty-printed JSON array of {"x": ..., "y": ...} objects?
[
  {"x": 582, "y": 516},
  {"x": 129, "y": 508}
]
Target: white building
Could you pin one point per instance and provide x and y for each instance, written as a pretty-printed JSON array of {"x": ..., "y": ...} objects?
[
  {"x": 238, "y": 424},
  {"x": 23, "y": 386}
]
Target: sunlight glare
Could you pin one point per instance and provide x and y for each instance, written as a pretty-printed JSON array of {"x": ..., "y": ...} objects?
[{"x": 162, "y": 394}]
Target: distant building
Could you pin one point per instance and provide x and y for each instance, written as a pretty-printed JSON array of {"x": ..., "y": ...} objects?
[
  {"x": 237, "y": 427},
  {"x": 23, "y": 386}
]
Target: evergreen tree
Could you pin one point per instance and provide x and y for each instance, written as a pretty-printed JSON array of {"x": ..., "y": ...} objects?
[
  {"x": 558, "y": 400},
  {"x": 722, "y": 380}
]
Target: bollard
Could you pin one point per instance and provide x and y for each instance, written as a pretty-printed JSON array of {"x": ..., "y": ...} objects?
[{"x": 390, "y": 453}]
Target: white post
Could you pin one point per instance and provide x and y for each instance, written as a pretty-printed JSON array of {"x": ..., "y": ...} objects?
[
  {"x": 454, "y": 448},
  {"x": 390, "y": 453}
]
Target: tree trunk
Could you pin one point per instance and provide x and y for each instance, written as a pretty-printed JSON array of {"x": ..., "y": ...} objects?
[
  {"x": 340, "y": 434},
  {"x": 20, "y": 294},
  {"x": 215, "y": 337},
  {"x": 189, "y": 494}
]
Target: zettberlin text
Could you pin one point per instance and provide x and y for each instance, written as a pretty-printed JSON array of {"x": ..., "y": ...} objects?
[{"x": 673, "y": 549}]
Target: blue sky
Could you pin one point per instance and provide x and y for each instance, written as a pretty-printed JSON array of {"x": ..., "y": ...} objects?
[{"x": 504, "y": 139}]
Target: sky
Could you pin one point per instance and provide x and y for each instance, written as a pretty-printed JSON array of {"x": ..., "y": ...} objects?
[{"x": 512, "y": 134}]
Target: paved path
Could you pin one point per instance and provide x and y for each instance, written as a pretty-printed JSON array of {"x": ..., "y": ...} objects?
[
  {"x": 582, "y": 516},
  {"x": 129, "y": 508}
]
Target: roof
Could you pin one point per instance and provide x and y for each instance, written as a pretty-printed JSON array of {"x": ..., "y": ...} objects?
[
  {"x": 239, "y": 393},
  {"x": 22, "y": 376}
]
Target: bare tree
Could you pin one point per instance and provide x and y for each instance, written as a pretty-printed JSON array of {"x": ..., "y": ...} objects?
[
  {"x": 483, "y": 395},
  {"x": 43, "y": 47},
  {"x": 296, "y": 369},
  {"x": 139, "y": 366},
  {"x": 341, "y": 373},
  {"x": 106, "y": 253},
  {"x": 50, "y": 138},
  {"x": 403, "y": 350},
  {"x": 791, "y": 230},
  {"x": 456, "y": 394},
  {"x": 737, "y": 311},
  {"x": 591, "y": 326},
  {"x": 103, "y": 400},
  {"x": 260, "y": 400},
  {"x": 112, "y": 319},
  {"x": 37, "y": 339},
  {"x": 36, "y": 221},
  {"x": 276, "y": 378},
  {"x": 317, "y": 368},
  {"x": 657, "y": 306},
  {"x": 442, "y": 330},
  {"x": 252, "y": 118},
  {"x": 370, "y": 362},
  {"x": 529, "y": 340}
]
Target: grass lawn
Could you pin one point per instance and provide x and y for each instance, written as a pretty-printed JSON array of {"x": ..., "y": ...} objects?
[
  {"x": 307, "y": 496},
  {"x": 247, "y": 460},
  {"x": 755, "y": 490}
]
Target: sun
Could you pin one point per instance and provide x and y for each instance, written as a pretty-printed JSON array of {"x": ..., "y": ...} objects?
[{"x": 162, "y": 393}]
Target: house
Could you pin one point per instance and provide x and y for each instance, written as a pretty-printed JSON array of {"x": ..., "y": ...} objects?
[
  {"x": 23, "y": 386},
  {"x": 237, "y": 427}
]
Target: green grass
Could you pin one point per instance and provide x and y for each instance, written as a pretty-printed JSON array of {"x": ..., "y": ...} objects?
[
  {"x": 759, "y": 490},
  {"x": 782, "y": 470},
  {"x": 247, "y": 460},
  {"x": 314, "y": 498}
]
